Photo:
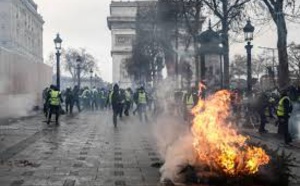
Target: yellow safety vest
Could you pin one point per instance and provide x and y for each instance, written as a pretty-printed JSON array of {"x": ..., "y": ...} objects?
[
  {"x": 142, "y": 98},
  {"x": 110, "y": 96},
  {"x": 102, "y": 95},
  {"x": 127, "y": 96},
  {"x": 189, "y": 101},
  {"x": 54, "y": 98},
  {"x": 280, "y": 109}
]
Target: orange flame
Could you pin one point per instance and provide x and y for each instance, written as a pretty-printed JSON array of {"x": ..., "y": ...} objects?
[{"x": 217, "y": 143}]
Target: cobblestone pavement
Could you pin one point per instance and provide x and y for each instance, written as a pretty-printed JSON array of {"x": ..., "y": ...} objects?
[{"x": 84, "y": 150}]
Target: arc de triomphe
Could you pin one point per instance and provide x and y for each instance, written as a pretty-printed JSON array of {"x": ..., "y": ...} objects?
[{"x": 121, "y": 22}]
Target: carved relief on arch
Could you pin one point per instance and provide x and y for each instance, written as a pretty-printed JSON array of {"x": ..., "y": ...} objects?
[{"x": 124, "y": 39}]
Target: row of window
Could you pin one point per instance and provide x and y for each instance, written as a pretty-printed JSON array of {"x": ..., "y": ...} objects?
[{"x": 28, "y": 29}]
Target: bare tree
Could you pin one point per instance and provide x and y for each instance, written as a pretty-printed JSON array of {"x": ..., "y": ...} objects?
[
  {"x": 230, "y": 15},
  {"x": 238, "y": 66},
  {"x": 69, "y": 62},
  {"x": 51, "y": 61},
  {"x": 281, "y": 11},
  {"x": 144, "y": 64},
  {"x": 182, "y": 18}
]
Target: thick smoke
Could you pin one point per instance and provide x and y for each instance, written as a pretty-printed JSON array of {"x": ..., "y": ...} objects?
[
  {"x": 173, "y": 139},
  {"x": 174, "y": 143},
  {"x": 294, "y": 122},
  {"x": 14, "y": 106}
]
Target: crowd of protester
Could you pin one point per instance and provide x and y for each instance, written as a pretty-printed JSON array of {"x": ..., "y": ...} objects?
[
  {"x": 121, "y": 101},
  {"x": 256, "y": 110}
]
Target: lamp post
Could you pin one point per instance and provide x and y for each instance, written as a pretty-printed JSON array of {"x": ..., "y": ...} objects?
[
  {"x": 57, "y": 42},
  {"x": 96, "y": 80},
  {"x": 91, "y": 78},
  {"x": 78, "y": 61},
  {"x": 248, "y": 31}
]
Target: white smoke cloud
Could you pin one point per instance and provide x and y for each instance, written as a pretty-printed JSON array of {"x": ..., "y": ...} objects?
[
  {"x": 294, "y": 122},
  {"x": 14, "y": 106},
  {"x": 175, "y": 146}
]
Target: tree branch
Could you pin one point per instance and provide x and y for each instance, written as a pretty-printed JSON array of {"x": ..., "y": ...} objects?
[{"x": 214, "y": 8}]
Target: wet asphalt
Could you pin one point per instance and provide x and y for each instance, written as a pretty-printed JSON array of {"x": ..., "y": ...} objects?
[
  {"x": 87, "y": 150},
  {"x": 84, "y": 150}
]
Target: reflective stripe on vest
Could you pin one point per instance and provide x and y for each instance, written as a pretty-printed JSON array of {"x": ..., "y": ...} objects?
[
  {"x": 280, "y": 109},
  {"x": 142, "y": 98},
  {"x": 189, "y": 100},
  {"x": 54, "y": 98}
]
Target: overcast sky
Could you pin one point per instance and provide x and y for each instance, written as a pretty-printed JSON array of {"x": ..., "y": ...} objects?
[
  {"x": 83, "y": 24},
  {"x": 80, "y": 24}
]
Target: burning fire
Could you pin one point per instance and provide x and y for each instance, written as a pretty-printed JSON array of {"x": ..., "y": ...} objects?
[{"x": 217, "y": 144}]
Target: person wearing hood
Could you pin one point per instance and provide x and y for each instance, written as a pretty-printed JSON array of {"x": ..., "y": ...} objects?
[
  {"x": 69, "y": 99},
  {"x": 116, "y": 102},
  {"x": 94, "y": 98},
  {"x": 76, "y": 99}
]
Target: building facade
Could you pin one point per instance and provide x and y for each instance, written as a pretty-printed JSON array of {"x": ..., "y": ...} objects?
[
  {"x": 23, "y": 75},
  {"x": 21, "y": 28}
]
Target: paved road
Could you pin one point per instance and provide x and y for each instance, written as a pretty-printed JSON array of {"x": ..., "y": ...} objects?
[{"x": 84, "y": 150}]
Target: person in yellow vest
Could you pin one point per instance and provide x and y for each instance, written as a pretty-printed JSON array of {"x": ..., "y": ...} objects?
[
  {"x": 102, "y": 98},
  {"x": 128, "y": 100},
  {"x": 283, "y": 113},
  {"x": 54, "y": 100},
  {"x": 142, "y": 103},
  {"x": 190, "y": 99}
]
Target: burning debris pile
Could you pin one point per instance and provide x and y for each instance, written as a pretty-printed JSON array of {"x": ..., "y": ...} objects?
[
  {"x": 217, "y": 144},
  {"x": 215, "y": 153}
]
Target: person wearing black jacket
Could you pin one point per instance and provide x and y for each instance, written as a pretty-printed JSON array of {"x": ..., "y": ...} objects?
[
  {"x": 283, "y": 113},
  {"x": 262, "y": 106},
  {"x": 116, "y": 103},
  {"x": 69, "y": 100},
  {"x": 76, "y": 101}
]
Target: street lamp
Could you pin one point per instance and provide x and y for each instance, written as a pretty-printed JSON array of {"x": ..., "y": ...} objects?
[
  {"x": 248, "y": 31},
  {"x": 78, "y": 61},
  {"x": 57, "y": 42},
  {"x": 91, "y": 77},
  {"x": 96, "y": 80}
]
